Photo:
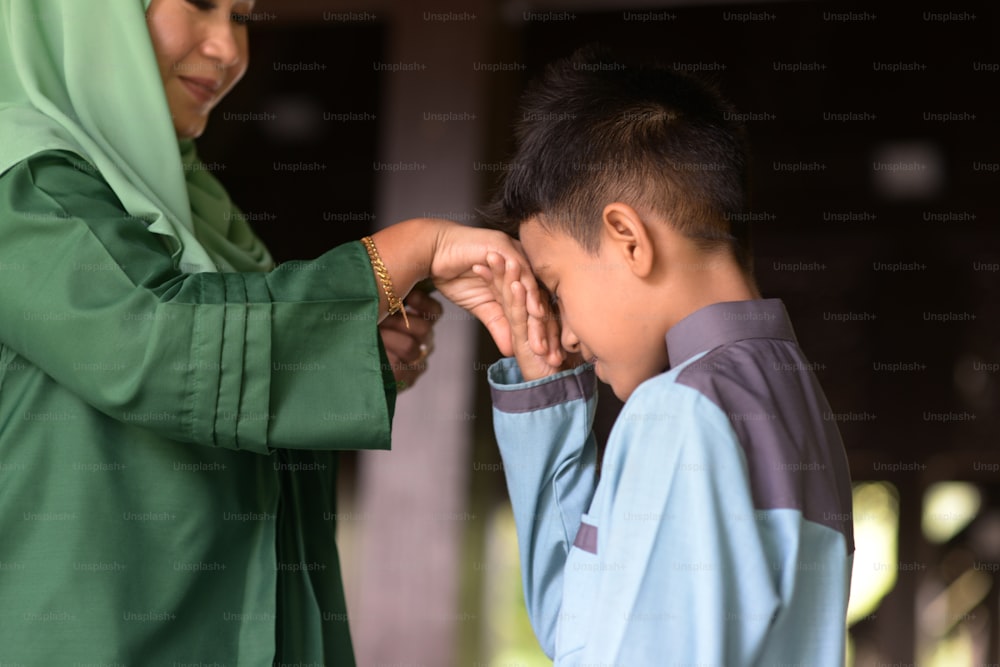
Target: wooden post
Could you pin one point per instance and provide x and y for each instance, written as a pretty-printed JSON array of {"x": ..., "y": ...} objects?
[{"x": 414, "y": 499}]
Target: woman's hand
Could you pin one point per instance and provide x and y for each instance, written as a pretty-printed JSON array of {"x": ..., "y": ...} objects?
[{"x": 408, "y": 349}]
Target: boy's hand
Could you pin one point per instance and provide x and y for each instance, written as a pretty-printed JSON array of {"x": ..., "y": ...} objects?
[{"x": 534, "y": 335}]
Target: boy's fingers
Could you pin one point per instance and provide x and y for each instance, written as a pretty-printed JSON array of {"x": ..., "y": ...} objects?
[
  {"x": 513, "y": 270},
  {"x": 483, "y": 271},
  {"x": 516, "y": 312},
  {"x": 537, "y": 336},
  {"x": 536, "y": 305},
  {"x": 534, "y": 300},
  {"x": 510, "y": 276},
  {"x": 535, "y": 333},
  {"x": 520, "y": 322},
  {"x": 529, "y": 327},
  {"x": 556, "y": 354}
]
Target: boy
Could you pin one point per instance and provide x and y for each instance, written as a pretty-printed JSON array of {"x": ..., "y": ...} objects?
[{"x": 720, "y": 530}]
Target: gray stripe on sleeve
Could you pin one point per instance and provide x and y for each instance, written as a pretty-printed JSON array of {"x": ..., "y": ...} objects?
[{"x": 570, "y": 387}]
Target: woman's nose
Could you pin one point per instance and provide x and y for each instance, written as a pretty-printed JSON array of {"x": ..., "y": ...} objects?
[{"x": 222, "y": 46}]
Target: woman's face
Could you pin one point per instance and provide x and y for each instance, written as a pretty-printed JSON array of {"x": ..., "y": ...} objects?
[{"x": 202, "y": 51}]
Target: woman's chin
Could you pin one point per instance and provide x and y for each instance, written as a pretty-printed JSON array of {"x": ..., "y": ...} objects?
[{"x": 190, "y": 130}]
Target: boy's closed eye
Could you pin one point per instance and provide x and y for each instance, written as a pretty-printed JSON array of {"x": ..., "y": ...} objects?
[{"x": 550, "y": 296}]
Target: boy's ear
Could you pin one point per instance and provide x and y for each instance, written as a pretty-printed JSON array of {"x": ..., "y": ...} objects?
[{"x": 626, "y": 231}]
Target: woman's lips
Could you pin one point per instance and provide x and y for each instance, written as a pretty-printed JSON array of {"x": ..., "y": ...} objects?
[{"x": 203, "y": 90}]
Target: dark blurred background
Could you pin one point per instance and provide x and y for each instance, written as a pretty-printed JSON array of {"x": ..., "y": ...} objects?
[{"x": 874, "y": 214}]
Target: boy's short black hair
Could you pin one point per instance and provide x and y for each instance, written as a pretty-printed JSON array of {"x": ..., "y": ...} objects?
[{"x": 593, "y": 130}]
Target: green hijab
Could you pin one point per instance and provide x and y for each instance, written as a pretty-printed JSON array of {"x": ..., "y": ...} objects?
[{"x": 81, "y": 76}]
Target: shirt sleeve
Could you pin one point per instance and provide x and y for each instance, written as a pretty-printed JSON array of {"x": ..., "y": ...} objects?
[
  {"x": 244, "y": 361},
  {"x": 682, "y": 568},
  {"x": 544, "y": 432}
]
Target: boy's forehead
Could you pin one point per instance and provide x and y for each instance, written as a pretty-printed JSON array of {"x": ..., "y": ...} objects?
[
  {"x": 536, "y": 242},
  {"x": 547, "y": 249}
]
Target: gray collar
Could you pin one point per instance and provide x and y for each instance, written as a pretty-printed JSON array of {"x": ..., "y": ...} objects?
[{"x": 727, "y": 322}]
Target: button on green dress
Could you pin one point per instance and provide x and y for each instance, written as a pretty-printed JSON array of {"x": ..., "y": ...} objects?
[{"x": 167, "y": 440}]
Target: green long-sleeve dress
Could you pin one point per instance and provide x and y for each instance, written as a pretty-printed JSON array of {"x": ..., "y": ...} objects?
[{"x": 167, "y": 473}]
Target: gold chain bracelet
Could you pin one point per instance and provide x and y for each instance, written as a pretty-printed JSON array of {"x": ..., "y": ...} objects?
[{"x": 395, "y": 303}]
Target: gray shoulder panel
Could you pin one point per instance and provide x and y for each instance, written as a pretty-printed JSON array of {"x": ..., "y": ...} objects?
[{"x": 777, "y": 408}]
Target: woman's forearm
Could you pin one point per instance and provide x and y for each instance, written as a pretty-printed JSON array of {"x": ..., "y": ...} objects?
[{"x": 406, "y": 250}]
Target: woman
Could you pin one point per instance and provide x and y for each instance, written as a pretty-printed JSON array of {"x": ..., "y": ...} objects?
[{"x": 169, "y": 405}]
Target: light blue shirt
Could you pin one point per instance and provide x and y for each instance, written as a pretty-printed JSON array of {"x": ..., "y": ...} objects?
[{"x": 720, "y": 530}]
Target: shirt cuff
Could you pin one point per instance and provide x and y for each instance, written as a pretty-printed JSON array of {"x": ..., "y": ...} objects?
[{"x": 512, "y": 393}]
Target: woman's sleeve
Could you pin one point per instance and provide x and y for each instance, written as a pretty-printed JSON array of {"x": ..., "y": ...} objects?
[{"x": 247, "y": 361}]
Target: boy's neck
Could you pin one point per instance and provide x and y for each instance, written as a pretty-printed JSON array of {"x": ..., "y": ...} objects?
[{"x": 713, "y": 277}]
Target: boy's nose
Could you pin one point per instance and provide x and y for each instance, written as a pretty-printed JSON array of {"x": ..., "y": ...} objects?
[{"x": 569, "y": 340}]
